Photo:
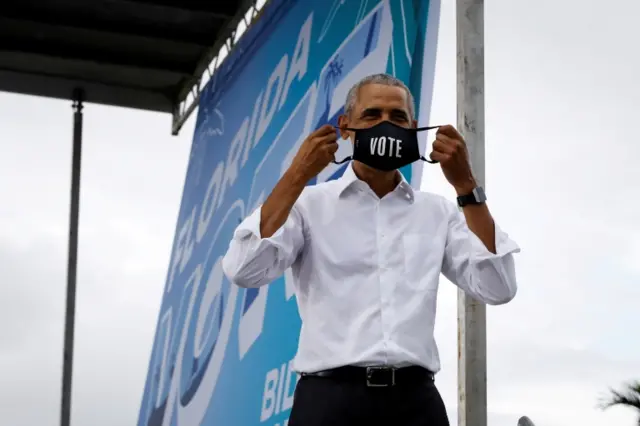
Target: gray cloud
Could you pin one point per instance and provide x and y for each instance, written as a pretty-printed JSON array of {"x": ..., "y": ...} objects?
[
  {"x": 132, "y": 182},
  {"x": 28, "y": 294}
]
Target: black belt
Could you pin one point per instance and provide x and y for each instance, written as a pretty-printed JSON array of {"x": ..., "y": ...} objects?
[{"x": 377, "y": 376}]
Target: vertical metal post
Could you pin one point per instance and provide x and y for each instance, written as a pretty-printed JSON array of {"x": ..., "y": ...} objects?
[
  {"x": 70, "y": 311},
  {"x": 472, "y": 333}
]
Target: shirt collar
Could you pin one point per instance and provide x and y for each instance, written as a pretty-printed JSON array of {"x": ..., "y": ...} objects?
[{"x": 349, "y": 179}]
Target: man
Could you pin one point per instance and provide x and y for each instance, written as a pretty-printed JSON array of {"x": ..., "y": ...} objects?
[{"x": 366, "y": 252}]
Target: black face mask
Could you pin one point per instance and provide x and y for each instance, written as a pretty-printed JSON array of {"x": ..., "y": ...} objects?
[{"x": 386, "y": 146}]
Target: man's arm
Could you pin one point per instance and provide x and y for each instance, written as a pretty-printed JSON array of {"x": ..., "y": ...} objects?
[
  {"x": 479, "y": 256},
  {"x": 276, "y": 208},
  {"x": 451, "y": 151},
  {"x": 269, "y": 240},
  {"x": 480, "y": 222}
]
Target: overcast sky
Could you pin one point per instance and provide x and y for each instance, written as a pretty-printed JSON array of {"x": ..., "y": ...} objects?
[{"x": 562, "y": 99}]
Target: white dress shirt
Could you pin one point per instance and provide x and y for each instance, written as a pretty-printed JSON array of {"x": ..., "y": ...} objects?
[{"x": 366, "y": 270}]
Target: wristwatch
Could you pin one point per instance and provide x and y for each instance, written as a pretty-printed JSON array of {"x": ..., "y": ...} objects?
[{"x": 477, "y": 196}]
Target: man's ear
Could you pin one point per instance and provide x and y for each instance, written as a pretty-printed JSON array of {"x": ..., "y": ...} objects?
[
  {"x": 415, "y": 124},
  {"x": 343, "y": 121}
]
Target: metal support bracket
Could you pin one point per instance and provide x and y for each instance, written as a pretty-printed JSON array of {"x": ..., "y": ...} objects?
[{"x": 189, "y": 98}]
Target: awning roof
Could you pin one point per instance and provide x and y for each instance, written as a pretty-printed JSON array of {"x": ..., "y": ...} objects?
[{"x": 145, "y": 54}]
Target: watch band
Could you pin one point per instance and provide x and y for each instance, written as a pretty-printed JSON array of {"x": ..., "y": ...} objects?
[{"x": 477, "y": 196}]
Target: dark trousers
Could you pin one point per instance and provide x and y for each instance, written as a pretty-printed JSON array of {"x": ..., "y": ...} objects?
[{"x": 323, "y": 401}]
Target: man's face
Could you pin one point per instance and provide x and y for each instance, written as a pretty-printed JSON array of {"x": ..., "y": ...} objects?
[{"x": 376, "y": 103}]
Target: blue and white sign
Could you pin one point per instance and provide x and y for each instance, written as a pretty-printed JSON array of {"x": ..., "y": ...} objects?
[{"x": 222, "y": 355}]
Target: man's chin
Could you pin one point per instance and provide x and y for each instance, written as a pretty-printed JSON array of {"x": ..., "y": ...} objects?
[{"x": 364, "y": 168}]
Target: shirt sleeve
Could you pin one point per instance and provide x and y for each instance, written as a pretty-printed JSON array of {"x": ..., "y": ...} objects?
[
  {"x": 487, "y": 277},
  {"x": 252, "y": 261}
]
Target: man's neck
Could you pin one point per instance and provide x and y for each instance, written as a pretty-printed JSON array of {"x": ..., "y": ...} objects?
[{"x": 380, "y": 182}]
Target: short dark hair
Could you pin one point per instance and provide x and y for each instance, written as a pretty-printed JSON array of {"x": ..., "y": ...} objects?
[{"x": 385, "y": 79}]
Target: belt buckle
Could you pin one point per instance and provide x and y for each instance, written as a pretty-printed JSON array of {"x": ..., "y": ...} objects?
[{"x": 371, "y": 382}]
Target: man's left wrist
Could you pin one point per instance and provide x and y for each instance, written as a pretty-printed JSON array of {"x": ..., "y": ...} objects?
[{"x": 466, "y": 188}]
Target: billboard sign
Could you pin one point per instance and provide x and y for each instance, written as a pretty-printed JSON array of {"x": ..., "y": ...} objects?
[{"x": 223, "y": 355}]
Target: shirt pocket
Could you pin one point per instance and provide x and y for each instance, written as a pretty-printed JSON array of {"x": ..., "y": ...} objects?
[{"x": 423, "y": 257}]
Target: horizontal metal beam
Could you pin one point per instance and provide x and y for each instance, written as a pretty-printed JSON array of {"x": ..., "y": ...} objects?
[
  {"x": 218, "y": 9},
  {"x": 100, "y": 37},
  {"x": 79, "y": 45},
  {"x": 93, "y": 70},
  {"x": 62, "y": 88},
  {"x": 122, "y": 18}
]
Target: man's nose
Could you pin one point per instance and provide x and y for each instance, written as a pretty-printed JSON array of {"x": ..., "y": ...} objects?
[{"x": 385, "y": 116}]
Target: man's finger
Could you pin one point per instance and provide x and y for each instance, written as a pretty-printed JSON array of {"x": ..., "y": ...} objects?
[
  {"x": 456, "y": 145},
  {"x": 443, "y": 147},
  {"x": 440, "y": 157},
  {"x": 325, "y": 130},
  {"x": 324, "y": 139},
  {"x": 446, "y": 139},
  {"x": 450, "y": 131},
  {"x": 329, "y": 149}
]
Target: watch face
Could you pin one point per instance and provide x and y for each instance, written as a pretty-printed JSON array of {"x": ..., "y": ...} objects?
[{"x": 479, "y": 195}]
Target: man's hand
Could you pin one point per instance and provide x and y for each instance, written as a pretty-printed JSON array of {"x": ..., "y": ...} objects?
[
  {"x": 451, "y": 152},
  {"x": 315, "y": 153}
]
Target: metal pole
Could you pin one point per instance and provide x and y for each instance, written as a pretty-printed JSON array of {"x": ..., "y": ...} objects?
[
  {"x": 472, "y": 322},
  {"x": 70, "y": 311}
]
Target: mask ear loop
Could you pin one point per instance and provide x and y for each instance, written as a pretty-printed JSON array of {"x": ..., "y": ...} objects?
[
  {"x": 428, "y": 161},
  {"x": 345, "y": 159},
  {"x": 419, "y": 129}
]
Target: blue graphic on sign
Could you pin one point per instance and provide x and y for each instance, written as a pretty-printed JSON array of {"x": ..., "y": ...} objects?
[{"x": 222, "y": 355}]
